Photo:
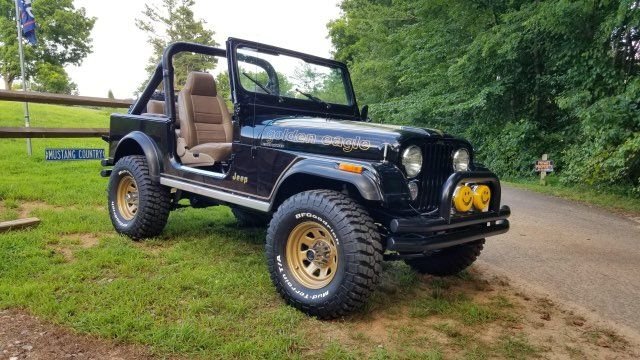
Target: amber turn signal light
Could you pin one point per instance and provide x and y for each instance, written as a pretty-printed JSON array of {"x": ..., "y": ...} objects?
[
  {"x": 463, "y": 198},
  {"x": 350, "y": 168},
  {"x": 481, "y": 197}
]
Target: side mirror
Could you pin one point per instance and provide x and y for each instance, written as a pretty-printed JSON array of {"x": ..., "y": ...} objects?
[{"x": 364, "y": 113}]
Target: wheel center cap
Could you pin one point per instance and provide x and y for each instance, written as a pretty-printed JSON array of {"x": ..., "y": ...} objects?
[
  {"x": 321, "y": 253},
  {"x": 311, "y": 255}
]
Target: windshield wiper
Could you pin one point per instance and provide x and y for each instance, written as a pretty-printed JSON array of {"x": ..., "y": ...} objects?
[
  {"x": 316, "y": 99},
  {"x": 257, "y": 83}
]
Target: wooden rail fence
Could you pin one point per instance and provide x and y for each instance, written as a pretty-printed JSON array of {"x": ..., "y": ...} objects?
[
  {"x": 57, "y": 99},
  {"x": 34, "y": 133}
]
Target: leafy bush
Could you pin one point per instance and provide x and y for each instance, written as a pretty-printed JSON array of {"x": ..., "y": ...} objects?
[{"x": 517, "y": 78}]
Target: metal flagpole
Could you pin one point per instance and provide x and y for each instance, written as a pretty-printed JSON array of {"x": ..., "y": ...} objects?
[{"x": 27, "y": 117}]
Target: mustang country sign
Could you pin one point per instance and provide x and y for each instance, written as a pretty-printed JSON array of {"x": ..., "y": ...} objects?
[{"x": 73, "y": 154}]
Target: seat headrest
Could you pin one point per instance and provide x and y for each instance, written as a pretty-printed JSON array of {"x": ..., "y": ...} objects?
[
  {"x": 201, "y": 84},
  {"x": 155, "y": 107}
]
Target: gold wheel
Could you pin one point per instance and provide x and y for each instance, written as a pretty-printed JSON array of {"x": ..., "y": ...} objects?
[
  {"x": 312, "y": 255},
  {"x": 127, "y": 197}
]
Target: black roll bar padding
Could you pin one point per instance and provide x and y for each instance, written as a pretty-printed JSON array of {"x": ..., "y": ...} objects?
[{"x": 484, "y": 177}]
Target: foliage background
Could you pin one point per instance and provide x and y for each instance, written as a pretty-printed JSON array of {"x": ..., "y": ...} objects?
[
  {"x": 518, "y": 78},
  {"x": 64, "y": 38},
  {"x": 169, "y": 21}
]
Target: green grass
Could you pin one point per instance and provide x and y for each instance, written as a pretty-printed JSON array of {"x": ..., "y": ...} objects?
[
  {"x": 609, "y": 199},
  {"x": 517, "y": 347},
  {"x": 202, "y": 288},
  {"x": 54, "y": 116}
]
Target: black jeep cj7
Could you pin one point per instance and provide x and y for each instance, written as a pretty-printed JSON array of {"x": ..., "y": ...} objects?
[{"x": 339, "y": 193}]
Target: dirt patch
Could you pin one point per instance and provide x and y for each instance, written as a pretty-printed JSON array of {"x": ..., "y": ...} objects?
[
  {"x": 66, "y": 253},
  {"x": 27, "y": 208},
  {"x": 478, "y": 315},
  {"x": 85, "y": 240},
  {"x": 72, "y": 242},
  {"x": 23, "y": 336}
]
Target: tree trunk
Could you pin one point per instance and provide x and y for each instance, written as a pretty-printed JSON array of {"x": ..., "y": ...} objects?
[{"x": 7, "y": 83}]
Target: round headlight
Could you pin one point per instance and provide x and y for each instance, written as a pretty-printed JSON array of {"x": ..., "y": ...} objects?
[
  {"x": 412, "y": 161},
  {"x": 461, "y": 160}
]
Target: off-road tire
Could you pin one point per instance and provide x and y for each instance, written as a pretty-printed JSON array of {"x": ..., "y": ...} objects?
[
  {"x": 250, "y": 219},
  {"x": 154, "y": 200},
  {"x": 449, "y": 261},
  {"x": 359, "y": 253}
]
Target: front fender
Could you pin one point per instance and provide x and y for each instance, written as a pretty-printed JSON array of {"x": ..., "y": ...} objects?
[
  {"x": 366, "y": 183},
  {"x": 138, "y": 143}
]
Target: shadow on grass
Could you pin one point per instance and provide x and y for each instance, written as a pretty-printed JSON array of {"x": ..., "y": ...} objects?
[{"x": 193, "y": 224}]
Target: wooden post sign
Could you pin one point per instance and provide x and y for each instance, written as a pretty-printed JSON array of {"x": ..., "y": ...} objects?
[{"x": 544, "y": 167}]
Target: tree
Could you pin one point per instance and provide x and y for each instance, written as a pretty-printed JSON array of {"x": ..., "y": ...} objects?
[
  {"x": 224, "y": 88},
  {"x": 518, "y": 78},
  {"x": 172, "y": 21},
  {"x": 53, "y": 79},
  {"x": 110, "y": 94},
  {"x": 63, "y": 38}
]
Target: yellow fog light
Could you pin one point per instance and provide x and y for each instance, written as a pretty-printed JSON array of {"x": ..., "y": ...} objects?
[
  {"x": 463, "y": 198},
  {"x": 481, "y": 197}
]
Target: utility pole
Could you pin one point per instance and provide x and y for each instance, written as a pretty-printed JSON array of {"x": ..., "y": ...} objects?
[{"x": 27, "y": 117}]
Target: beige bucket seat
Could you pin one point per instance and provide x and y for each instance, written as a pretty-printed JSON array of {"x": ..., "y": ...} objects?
[
  {"x": 206, "y": 131},
  {"x": 155, "y": 107}
]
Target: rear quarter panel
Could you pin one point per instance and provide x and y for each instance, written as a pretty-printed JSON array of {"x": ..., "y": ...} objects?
[{"x": 157, "y": 128}]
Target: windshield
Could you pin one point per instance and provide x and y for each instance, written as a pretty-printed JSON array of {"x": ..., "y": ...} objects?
[{"x": 291, "y": 77}]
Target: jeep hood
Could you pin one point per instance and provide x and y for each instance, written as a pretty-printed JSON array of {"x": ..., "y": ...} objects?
[{"x": 341, "y": 137}]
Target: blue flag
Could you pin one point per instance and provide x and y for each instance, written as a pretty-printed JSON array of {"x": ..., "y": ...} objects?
[{"x": 28, "y": 21}]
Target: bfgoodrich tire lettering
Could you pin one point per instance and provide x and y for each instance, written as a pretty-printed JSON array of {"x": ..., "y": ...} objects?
[
  {"x": 145, "y": 215},
  {"x": 448, "y": 261},
  {"x": 349, "y": 229}
]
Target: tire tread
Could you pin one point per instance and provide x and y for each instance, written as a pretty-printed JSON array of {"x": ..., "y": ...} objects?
[
  {"x": 448, "y": 261},
  {"x": 155, "y": 199},
  {"x": 365, "y": 251}
]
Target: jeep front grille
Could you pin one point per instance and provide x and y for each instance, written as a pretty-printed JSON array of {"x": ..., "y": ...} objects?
[{"x": 436, "y": 169}]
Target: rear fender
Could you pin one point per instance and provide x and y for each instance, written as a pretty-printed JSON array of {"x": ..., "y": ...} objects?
[{"x": 138, "y": 143}]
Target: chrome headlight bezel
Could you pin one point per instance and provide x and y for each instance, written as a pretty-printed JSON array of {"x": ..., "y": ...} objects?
[
  {"x": 412, "y": 160},
  {"x": 461, "y": 160}
]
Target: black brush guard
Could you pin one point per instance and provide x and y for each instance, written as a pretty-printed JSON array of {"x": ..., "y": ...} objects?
[{"x": 419, "y": 235}]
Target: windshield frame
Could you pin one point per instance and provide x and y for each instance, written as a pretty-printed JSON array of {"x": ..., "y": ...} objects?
[{"x": 287, "y": 105}]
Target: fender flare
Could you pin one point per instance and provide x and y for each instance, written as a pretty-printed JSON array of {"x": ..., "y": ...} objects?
[
  {"x": 366, "y": 183},
  {"x": 149, "y": 150}
]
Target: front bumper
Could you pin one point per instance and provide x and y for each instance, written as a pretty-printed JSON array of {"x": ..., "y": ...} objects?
[{"x": 423, "y": 234}]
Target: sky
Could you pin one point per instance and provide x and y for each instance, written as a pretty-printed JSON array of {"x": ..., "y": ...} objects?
[{"x": 120, "y": 50}]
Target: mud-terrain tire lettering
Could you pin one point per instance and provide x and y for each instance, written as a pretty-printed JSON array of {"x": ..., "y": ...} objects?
[{"x": 359, "y": 252}]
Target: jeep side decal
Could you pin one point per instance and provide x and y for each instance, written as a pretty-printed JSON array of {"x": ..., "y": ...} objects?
[{"x": 347, "y": 144}]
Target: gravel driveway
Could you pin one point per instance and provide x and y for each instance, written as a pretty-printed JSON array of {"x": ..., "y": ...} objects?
[{"x": 580, "y": 254}]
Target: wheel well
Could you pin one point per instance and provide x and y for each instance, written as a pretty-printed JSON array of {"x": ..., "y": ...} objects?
[
  {"x": 298, "y": 183},
  {"x": 126, "y": 148}
]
